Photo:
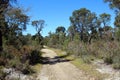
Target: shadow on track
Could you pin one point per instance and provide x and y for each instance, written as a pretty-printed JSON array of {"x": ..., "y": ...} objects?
[{"x": 56, "y": 59}]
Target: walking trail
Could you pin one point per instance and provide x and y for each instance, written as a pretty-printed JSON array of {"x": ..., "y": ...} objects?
[{"x": 56, "y": 68}]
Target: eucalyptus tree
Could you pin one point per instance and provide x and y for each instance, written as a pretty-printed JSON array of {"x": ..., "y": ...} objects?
[
  {"x": 39, "y": 25},
  {"x": 84, "y": 22}
]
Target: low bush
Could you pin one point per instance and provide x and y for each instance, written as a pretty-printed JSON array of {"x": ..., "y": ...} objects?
[
  {"x": 31, "y": 54},
  {"x": 26, "y": 69},
  {"x": 2, "y": 61},
  {"x": 108, "y": 60},
  {"x": 116, "y": 65},
  {"x": 35, "y": 57},
  {"x": 10, "y": 52},
  {"x": 14, "y": 63}
]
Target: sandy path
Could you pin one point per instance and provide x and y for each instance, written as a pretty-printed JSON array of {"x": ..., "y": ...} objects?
[{"x": 60, "y": 70}]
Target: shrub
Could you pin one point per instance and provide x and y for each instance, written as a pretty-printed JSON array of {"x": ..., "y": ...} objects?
[
  {"x": 31, "y": 54},
  {"x": 86, "y": 59},
  {"x": 10, "y": 52},
  {"x": 116, "y": 65},
  {"x": 108, "y": 60},
  {"x": 25, "y": 53},
  {"x": 2, "y": 61},
  {"x": 14, "y": 63},
  {"x": 26, "y": 69},
  {"x": 35, "y": 56}
]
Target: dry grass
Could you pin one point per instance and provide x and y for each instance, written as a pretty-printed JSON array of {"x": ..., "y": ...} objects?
[{"x": 37, "y": 68}]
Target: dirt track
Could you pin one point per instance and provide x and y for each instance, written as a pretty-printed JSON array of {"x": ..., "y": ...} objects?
[{"x": 59, "y": 69}]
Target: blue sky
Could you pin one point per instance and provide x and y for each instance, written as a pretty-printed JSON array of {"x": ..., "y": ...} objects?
[{"x": 57, "y": 12}]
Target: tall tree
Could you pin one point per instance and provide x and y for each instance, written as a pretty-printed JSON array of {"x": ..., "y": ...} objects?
[
  {"x": 38, "y": 24},
  {"x": 16, "y": 22},
  {"x": 83, "y": 21},
  {"x": 4, "y": 4}
]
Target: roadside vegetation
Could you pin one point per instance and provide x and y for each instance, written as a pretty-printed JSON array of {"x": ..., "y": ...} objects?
[{"x": 17, "y": 51}]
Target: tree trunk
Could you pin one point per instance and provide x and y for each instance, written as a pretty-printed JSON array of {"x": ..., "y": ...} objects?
[
  {"x": 81, "y": 35},
  {"x": 89, "y": 39},
  {"x": 1, "y": 48}
]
